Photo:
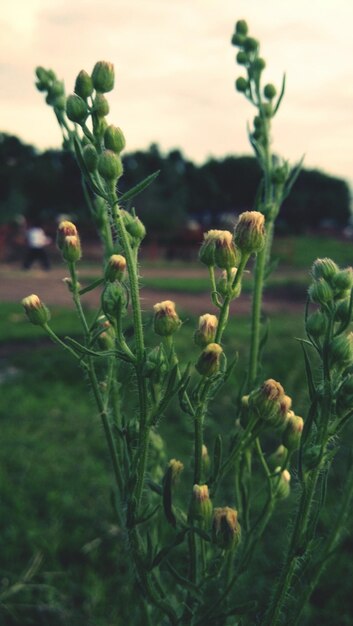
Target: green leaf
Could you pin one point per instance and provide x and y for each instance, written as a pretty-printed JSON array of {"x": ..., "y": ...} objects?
[
  {"x": 83, "y": 350},
  {"x": 92, "y": 286},
  {"x": 217, "y": 457},
  {"x": 167, "y": 497},
  {"x": 184, "y": 582},
  {"x": 146, "y": 515},
  {"x": 179, "y": 538},
  {"x": 292, "y": 178},
  {"x": 134, "y": 191},
  {"x": 309, "y": 374},
  {"x": 283, "y": 88}
]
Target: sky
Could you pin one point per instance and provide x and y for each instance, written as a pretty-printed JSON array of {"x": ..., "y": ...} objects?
[{"x": 175, "y": 72}]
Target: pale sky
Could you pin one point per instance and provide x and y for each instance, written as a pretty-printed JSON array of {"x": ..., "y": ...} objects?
[{"x": 175, "y": 72}]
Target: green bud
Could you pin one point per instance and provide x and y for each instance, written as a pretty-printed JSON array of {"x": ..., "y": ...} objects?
[
  {"x": 293, "y": 431},
  {"x": 57, "y": 89},
  {"x": 115, "y": 268},
  {"x": 320, "y": 292},
  {"x": 342, "y": 283},
  {"x": 43, "y": 76},
  {"x": 155, "y": 366},
  {"x": 224, "y": 284},
  {"x": 270, "y": 91},
  {"x": 134, "y": 227},
  {"x": 242, "y": 58},
  {"x": 113, "y": 301},
  {"x": 345, "y": 394},
  {"x": 278, "y": 457},
  {"x": 258, "y": 122},
  {"x": 237, "y": 40},
  {"x": 202, "y": 505},
  {"x": 226, "y": 530},
  {"x": 251, "y": 44},
  {"x": 35, "y": 310},
  {"x": 103, "y": 76},
  {"x": 110, "y": 166},
  {"x": 114, "y": 139},
  {"x": 279, "y": 174},
  {"x": 241, "y": 27},
  {"x": 267, "y": 109},
  {"x": 283, "y": 487},
  {"x": 226, "y": 254},
  {"x": 342, "y": 313},
  {"x": 59, "y": 102},
  {"x": 206, "y": 331},
  {"x": 241, "y": 84},
  {"x": 106, "y": 337},
  {"x": 101, "y": 105},
  {"x": 209, "y": 360},
  {"x": 324, "y": 268},
  {"x": 341, "y": 351},
  {"x": 166, "y": 319},
  {"x": 316, "y": 324},
  {"x": 76, "y": 109},
  {"x": 71, "y": 248},
  {"x": 259, "y": 64},
  {"x": 249, "y": 234},
  {"x": 206, "y": 461},
  {"x": 83, "y": 85},
  {"x": 90, "y": 157}
]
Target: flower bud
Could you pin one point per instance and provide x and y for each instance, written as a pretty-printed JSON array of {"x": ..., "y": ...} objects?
[
  {"x": 225, "y": 282},
  {"x": 114, "y": 139},
  {"x": 83, "y": 85},
  {"x": 176, "y": 467},
  {"x": 43, "y": 77},
  {"x": 103, "y": 76},
  {"x": 242, "y": 58},
  {"x": 206, "y": 461},
  {"x": 134, "y": 227},
  {"x": 106, "y": 337},
  {"x": 101, "y": 105},
  {"x": 270, "y": 91},
  {"x": 241, "y": 84},
  {"x": 110, "y": 166},
  {"x": 113, "y": 301},
  {"x": 209, "y": 360},
  {"x": 316, "y": 324},
  {"x": 115, "y": 268},
  {"x": 342, "y": 313},
  {"x": 241, "y": 27},
  {"x": 251, "y": 44},
  {"x": 283, "y": 487},
  {"x": 342, "y": 283},
  {"x": 341, "y": 351},
  {"x": 249, "y": 234},
  {"x": 76, "y": 109},
  {"x": 226, "y": 530},
  {"x": 65, "y": 229},
  {"x": 277, "y": 458},
  {"x": 206, "y": 331},
  {"x": 166, "y": 319},
  {"x": 35, "y": 310},
  {"x": 293, "y": 431},
  {"x": 155, "y": 366},
  {"x": 320, "y": 292},
  {"x": 90, "y": 157},
  {"x": 201, "y": 505},
  {"x": 345, "y": 394},
  {"x": 267, "y": 401},
  {"x": 324, "y": 268},
  {"x": 226, "y": 255},
  {"x": 71, "y": 249},
  {"x": 259, "y": 64}
]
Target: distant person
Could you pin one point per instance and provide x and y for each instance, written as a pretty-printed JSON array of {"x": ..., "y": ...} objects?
[{"x": 37, "y": 241}]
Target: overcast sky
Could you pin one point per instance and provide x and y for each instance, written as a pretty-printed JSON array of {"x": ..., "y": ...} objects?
[{"x": 175, "y": 72}]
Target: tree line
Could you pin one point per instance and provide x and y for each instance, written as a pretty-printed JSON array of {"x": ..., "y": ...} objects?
[{"x": 41, "y": 185}]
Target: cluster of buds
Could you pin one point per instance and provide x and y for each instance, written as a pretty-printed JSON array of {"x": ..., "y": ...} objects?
[
  {"x": 226, "y": 530},
  {"x": 218, "y": 249},
  {"x": 166, "y": 319},
  {"x": 331, "y": 290},
  {"x": 48, "y": 82},
  {"x": 68, "y": 242},
  {"x": 35, "y": 310},
  {"x": 270, "y": 403}
]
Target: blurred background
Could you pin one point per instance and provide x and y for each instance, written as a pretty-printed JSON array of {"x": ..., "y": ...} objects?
[{"x": 62, "y": 555}]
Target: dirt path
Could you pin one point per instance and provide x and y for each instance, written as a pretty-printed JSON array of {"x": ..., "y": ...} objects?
[{"x": 15, "y": 284}]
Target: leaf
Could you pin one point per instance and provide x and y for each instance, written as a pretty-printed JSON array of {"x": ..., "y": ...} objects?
[
  {"x": 83, "y": 350},
  {"x": 217, "y": 457},
  {"x": 134, "y": 191},
  {"x": 305, "y": 434},
  {"x": 145, "y": 515},
  {"x": 283, "y": 88},
  {"x": 167, "y": 497},
  {"x": 292, "y": 178},
  {"x": 184, "y": 582},
  {"x": 201, "y": 533},
  {"x": 93, "y": 285},
  {"x": 309, "y": 375}
]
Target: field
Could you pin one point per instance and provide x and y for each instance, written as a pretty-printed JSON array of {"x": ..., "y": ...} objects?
[{"x": 63, "y": 557}]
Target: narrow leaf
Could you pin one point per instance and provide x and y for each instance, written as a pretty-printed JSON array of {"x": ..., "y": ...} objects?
[
  {"x": 309, "y": 374},
  {"x": 85, "y": 171},
  {"x": 165, "y": 551},
  {"x": 283, "y": 88},
  {"x": 167, "y": 497},
  {"x": 134, "y": 191},
  {"x": 292, "y": 178},
  {"x": 184, "y": 582},
  {"x": 217, "y": 457},
  {"x": 93, "y": 285}
]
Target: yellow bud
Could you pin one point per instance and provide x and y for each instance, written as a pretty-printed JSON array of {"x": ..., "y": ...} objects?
[
  {"x": 115, "y": 268},
  {"x": 71, "y": 248},
  {"x": 206, "y": 331},
  {"x": 226, "y": 530},
  {"x": 249, "y": 234},
  {"x": 209, "y": 360},
  {"x": 65, "y": 229},
  {"x": 35, "y": 310},
  {"x": 166, "y": 319}
]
